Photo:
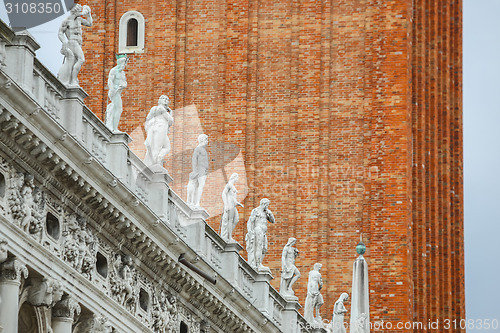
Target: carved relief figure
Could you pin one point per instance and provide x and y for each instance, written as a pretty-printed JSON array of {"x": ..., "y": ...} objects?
[
  {"x": 289, "y": 272},
  {"x": 37, "y": 212},
  {"x": 230, "y": 216},
  {"x": 15, "y": 199},
  {"x": 199, "y": 174},
  {"x": 339, "y": 311},
  {"x": 116, "y": 83},
  {"x": 314, "y": 299},
  {"x": 122, "y": 280},
  {"x": 158, "y": 123},
  {"x": 70, "y": 35},
  {"x": 80, "y": 246},
  {"x": 165, "y": 314},
  {"x": 28, "y": 201},
  {"x": 256, "y": 237}
]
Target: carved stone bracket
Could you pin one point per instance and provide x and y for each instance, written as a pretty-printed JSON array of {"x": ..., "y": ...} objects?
[
  {"x": 66, "y": 308},
  {"x": 13, "y": 270}
]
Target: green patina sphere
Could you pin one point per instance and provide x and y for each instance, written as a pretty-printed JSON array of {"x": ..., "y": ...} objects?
[{"x": 361, "y": 248}]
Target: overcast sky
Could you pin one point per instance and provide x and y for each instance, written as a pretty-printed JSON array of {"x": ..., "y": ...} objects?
[{"x": 481, "y": 148}]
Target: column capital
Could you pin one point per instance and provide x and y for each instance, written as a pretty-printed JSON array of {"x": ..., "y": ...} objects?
[
  {"x": 13, "y": 270},
  {"x": 66, "y": 308}
]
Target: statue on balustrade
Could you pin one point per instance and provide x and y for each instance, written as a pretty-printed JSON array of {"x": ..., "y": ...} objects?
[
  {"x": 158, "y": 123},
  {"x": 289, "y": 272},
  {"x": 116, "y": 83},
  {"x": 314, "y": 299},
  {"x": 70, "y": 35},
  {"x": 256, "y": 237},
  {"x": 339, "y": 311},
  {"x": 230, "y": 216},
  {"x": 199, "y": 174}
]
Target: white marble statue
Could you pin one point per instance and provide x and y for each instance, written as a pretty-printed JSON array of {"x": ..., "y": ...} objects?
[
  {"x": 199, "y": 174},
  {"x": 256, "y": 237},
  {"x": 314, "y": 299},
  {"x": 230, "y": 216},
  {"x": 116, "y": 83},
  {"x": 70, "y": 35},
  {"x": 339, "y": 311},
  {"x": 289, "y": 272},
  {"x": 158, "y": 123}
]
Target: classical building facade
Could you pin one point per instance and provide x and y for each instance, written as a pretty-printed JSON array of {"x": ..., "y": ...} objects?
[
  {"x": 93, "y": 241},
  {"x": 346, "y": 114}
]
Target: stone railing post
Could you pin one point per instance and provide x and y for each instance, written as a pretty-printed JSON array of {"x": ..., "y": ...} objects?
[
  {"x": 261, "y": 291},
  {"x": 20, "y": 59},
  {"x": 63, "y": 314},
  {"x": 230, "y": 262},
  {"x": 71, "y": 114},
  {"x": 290, "y": 317},
  {"x": 11, "y": 273},
  {"x": 118, "y": 154}
]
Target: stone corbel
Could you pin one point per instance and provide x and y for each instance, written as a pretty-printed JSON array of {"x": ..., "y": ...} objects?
[{"x": 13, "y": 270}]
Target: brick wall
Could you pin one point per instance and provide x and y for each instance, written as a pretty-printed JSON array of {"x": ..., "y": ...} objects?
[{"x": 329, "y": 109}]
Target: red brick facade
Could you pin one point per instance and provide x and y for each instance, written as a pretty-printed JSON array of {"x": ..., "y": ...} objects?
[{"x": 347, "y": 115}]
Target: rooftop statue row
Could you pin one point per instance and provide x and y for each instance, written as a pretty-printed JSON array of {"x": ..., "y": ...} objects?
[{"x": 157, "y": 125}]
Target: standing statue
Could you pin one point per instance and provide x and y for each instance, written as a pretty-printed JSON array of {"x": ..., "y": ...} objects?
[
  {"x": 314, "y": 299},
  {"x": 116, "y": 83},
  {"x": 70, "y": 35},
  {"x": 256, "y": 237},
  {"x": 230, "y": 215},
  {"x": 289, "y": 272},
  {"x": 339, "y": 311},
  {"x": 199, "y": 174},
  {"x": 158, "y": 123}
]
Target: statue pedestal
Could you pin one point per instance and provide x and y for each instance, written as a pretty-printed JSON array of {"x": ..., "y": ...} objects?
[
  {"x": 230, "y": 262},
  {"x": 118, "y": 154},
  {"x": 290, "y": 315},
  {"x": 261, "y": 291}
]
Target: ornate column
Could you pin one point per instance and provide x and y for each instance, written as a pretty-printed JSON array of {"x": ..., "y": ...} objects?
[
  {"x": 11, "y": 273},
  {"x": 63, "y": 314}
]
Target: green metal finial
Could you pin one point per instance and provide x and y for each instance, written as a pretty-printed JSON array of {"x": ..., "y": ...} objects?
[{"x": 361, "y": 248}]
